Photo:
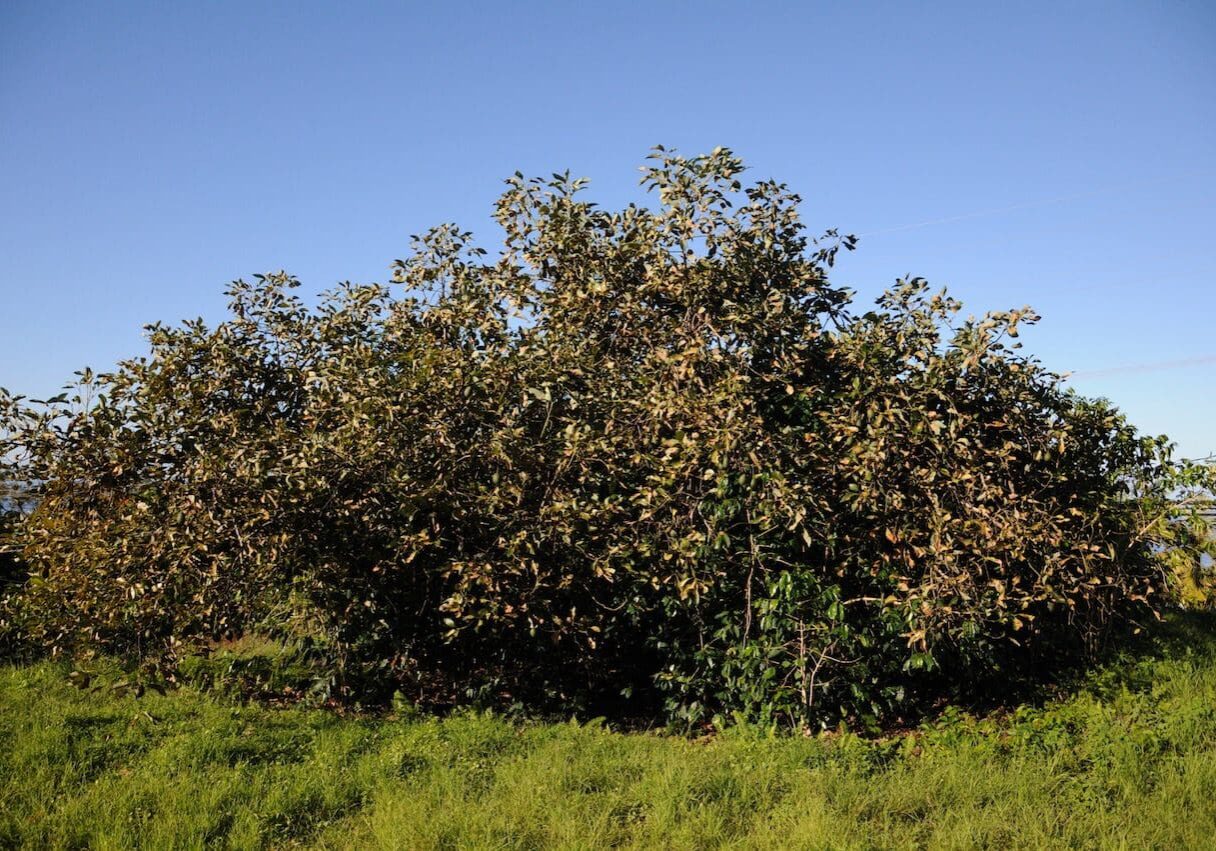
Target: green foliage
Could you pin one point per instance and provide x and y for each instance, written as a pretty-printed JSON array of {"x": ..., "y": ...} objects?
[
  {"x": 644, "y": 458},
  {"x": 255, "y": 668},
  {"x": 1127, "y": 761}
]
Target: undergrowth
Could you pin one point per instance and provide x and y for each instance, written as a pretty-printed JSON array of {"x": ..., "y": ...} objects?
[{"x": 1126, "y": 759}]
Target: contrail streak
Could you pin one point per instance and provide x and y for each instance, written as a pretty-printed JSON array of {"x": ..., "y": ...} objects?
[
  {"x": 1045, "y": 202},
  {"x": 1144, "y": 367}
]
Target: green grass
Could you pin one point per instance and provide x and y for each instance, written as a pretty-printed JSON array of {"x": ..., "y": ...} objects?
[{"x": 1126, "y": 760}]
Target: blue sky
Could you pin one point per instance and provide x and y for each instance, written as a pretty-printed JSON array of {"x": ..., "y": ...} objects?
[{"x": 1057, "y": 154}]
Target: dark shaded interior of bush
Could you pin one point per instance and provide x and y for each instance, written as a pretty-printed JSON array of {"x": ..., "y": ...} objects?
[{"x": 646, "y": 461}]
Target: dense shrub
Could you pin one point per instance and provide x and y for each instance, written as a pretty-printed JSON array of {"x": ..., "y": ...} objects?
[
  {"x": 646, "y": 453},
  {"x": 10, "y": 568},
  {"x": 12, "y": 573}
]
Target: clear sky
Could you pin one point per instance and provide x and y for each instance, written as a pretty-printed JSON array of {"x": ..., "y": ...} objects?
[{"x": 1058, "y": 154}]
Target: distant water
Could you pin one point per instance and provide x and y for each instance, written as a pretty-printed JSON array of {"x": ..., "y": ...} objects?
[{"x": 10, "y": 498}]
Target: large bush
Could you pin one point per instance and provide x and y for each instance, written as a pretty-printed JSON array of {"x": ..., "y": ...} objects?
[{"x": 643, "y": 455}]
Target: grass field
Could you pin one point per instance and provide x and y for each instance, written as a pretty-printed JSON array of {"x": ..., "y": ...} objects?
[{"x": 1126, "y": 759}]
